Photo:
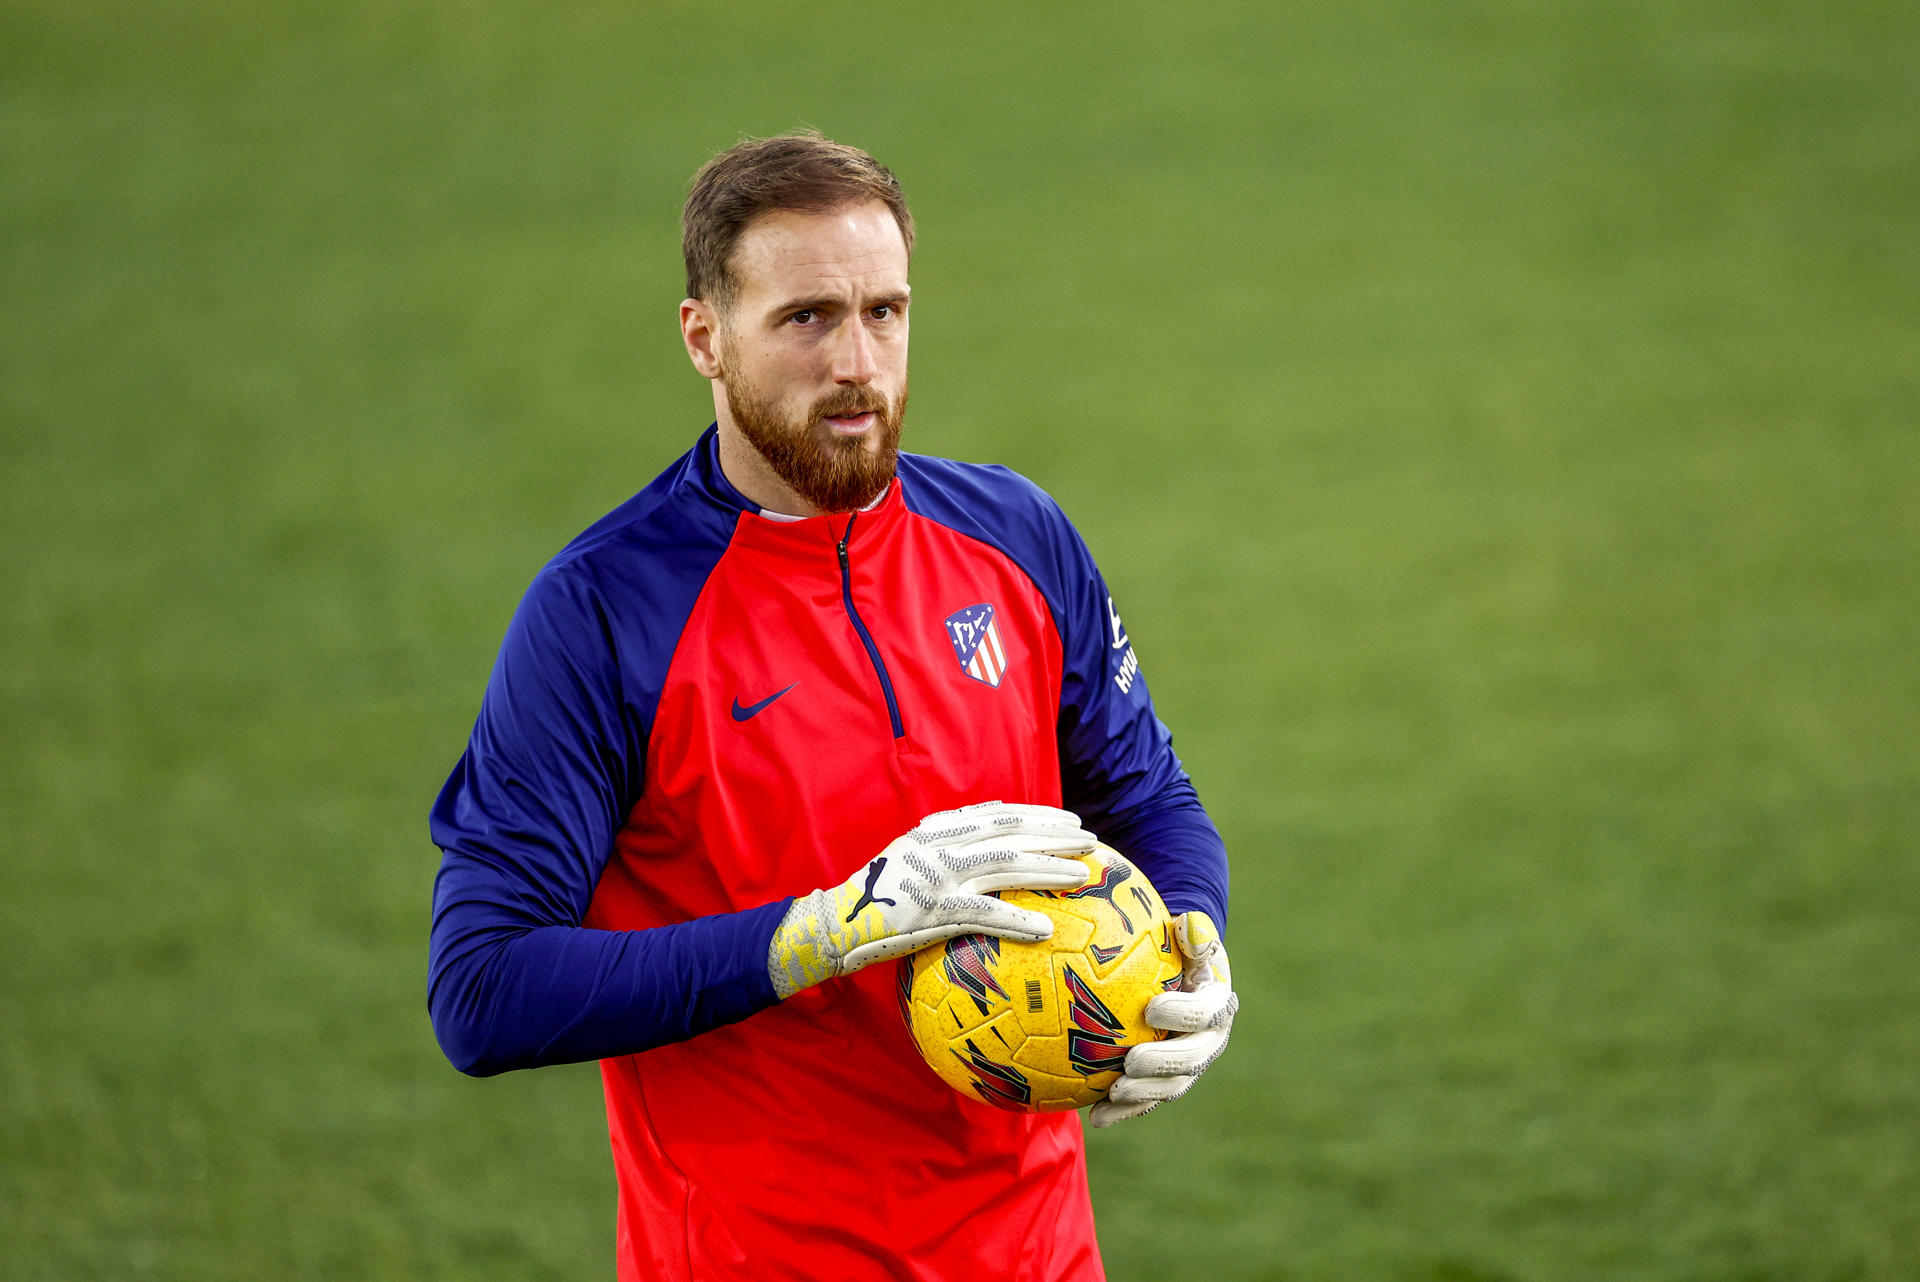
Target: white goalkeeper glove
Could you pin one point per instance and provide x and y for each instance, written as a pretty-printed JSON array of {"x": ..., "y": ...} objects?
[
  {"x": 932, "y": 884},
  {"x": 1200, "y": 1017}
]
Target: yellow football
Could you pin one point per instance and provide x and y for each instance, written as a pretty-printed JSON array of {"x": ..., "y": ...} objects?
[{"x": 1042, "y": 1028}]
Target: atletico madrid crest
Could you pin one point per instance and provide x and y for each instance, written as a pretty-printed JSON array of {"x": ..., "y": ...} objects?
[{"x": 976, "y": 643}]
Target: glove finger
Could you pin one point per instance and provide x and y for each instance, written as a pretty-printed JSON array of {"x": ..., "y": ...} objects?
[
  {"x": 1023, "y": 872},
  {"x": 1106, "y": 1112},
  {"x": 1001, "y": 848},
  {"x": 1148, "y": 1090},
  {"x": 1198, "y": 936},
  {"x": 965, "y": 824},
  {"x": 991, "y": 818},
  {"x": 1008, "y": 845},
  {"x": 1016, "y": 814},
  {"x": 1176, "y": 1056},
  {"x": 982, "y": 810},
  {"x": 985, "y": 915},
  {"x": 1211, "y": 1007},
  {"x": 1054, "y": 841}
]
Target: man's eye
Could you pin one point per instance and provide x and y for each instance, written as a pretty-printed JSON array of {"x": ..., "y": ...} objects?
[{"x": 802, "y": 317}]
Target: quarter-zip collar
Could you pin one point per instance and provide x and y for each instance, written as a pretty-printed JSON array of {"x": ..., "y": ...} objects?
[
  {"x": 816, "y": 550},
  {"x": 808, "y": 537}
]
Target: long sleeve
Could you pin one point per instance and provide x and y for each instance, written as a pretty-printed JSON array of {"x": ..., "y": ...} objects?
[
  {"x": 1118, "y": 767},
  {"x": 525, "y": 824}
]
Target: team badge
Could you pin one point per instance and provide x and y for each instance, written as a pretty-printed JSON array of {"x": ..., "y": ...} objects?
[{"x": 976, "y": 643}]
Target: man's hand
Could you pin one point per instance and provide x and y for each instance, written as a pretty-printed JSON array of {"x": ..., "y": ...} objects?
[
  {"x": 932, "y": 884},
  {"x": 1200, "y": 1016}
]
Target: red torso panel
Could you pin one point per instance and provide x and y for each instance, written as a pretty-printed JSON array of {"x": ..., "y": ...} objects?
[{"x": 773, "y": 768}]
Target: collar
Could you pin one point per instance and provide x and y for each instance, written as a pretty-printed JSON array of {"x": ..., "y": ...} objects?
[{"x": 777, "y": 530}]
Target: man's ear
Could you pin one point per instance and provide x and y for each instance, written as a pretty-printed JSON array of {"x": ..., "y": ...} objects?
[{"x": 700, "y": 329}]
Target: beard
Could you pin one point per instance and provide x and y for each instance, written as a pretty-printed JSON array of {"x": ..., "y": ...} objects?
[{"x": 834, "y": 473}]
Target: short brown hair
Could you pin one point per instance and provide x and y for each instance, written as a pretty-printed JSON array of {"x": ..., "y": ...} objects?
[{"x": 802, "y": 171}]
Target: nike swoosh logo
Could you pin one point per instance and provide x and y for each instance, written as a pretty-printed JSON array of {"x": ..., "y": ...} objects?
[{"x": 753, "y": 710}]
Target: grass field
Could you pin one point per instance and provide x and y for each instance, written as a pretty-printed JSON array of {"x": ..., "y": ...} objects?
[{"x": 1500, "y": 423}]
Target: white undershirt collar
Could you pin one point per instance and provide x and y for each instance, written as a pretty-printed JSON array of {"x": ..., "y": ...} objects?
[{"x": 772, "y": 515}]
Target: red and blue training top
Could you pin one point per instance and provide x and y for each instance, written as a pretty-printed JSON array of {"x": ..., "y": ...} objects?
[{"x": 700, "y": 712}]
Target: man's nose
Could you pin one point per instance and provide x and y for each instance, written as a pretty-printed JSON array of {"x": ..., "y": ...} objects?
[{"x": 853, "y": 357}]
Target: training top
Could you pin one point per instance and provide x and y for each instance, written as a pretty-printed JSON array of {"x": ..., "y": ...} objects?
[{"x": 699, "y": 713}]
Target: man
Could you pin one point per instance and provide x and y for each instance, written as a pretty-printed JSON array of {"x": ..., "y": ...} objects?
[{"x": 750, "y": 680}]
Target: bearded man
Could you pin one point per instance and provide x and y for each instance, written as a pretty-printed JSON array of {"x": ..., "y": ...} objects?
[{"x": 796, "y": 708}]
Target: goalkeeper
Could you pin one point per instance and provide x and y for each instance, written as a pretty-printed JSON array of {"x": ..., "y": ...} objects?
[{"x": 739, "y": 745}]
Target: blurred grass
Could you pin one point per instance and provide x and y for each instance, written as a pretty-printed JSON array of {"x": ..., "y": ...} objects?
[{"x": 1498, "y": 422}]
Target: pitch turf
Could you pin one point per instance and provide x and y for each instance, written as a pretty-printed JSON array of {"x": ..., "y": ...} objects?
[{"x": 1499, "y": 423}]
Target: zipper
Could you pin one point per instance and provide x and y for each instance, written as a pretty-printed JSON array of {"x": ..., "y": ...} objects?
[{"x": 866, "y": 638}]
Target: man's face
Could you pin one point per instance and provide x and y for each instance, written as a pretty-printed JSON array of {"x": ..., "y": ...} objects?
[{"x": 813, "y": 350}]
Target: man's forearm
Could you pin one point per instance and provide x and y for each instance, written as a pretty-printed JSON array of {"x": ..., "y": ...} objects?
[{"x": 506, "y": 996}]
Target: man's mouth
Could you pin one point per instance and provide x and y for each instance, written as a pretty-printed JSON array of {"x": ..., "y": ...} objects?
[{"x": 851, "y": 424}]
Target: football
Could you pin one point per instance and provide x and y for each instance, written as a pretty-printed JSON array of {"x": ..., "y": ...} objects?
[{"x": 1044, "y": 1027}]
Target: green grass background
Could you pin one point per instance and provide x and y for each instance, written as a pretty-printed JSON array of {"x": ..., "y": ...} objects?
[{"x": 1500, "y": 422}]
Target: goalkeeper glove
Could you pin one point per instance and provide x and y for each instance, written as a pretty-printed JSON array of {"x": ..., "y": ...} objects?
[
  {"x": 1200, "y": 1015},
  {"x": 932, "y": 884}
]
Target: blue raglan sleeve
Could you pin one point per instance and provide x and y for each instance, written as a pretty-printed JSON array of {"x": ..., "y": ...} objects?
[
  {"x": 1118, "y": 768},
  {"x": 525, "y": 825}
]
